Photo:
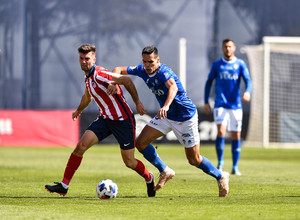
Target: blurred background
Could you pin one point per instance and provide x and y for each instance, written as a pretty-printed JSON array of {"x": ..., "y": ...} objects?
[{"x": 39, "y": 67}]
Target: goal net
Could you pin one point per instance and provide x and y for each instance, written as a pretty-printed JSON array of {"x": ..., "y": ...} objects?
[{"x": 275, "y": 104}]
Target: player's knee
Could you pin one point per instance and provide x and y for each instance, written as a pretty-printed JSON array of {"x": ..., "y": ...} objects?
[
  {"x": 130, "y": 164},
  {"x": 140, "y": 144},
  {"x": 80, "y": 149},
  {"x": 194, "y": 161}
]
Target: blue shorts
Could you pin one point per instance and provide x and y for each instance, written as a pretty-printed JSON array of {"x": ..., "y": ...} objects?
[{"x": 123, "y": 131}]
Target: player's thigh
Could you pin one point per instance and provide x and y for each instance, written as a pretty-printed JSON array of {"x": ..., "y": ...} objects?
[
  {"x": 221, "y": 117},
  {"x": 235, "y": 120},
  {"x": 147, "y": 135},
  {"x": 124, "y": 132},
  {"x": 154, "y": 129}
]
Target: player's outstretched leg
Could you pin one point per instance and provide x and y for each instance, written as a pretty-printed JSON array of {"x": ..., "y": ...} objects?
[{"x": 152, "y": 156}]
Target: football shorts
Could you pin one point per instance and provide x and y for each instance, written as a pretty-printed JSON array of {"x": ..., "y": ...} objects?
[
  {"x": 232, "y": 118},
  {"x": 187, "y": 132}
]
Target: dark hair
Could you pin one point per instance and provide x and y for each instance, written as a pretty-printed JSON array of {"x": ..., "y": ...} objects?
[
  {"x": 226, "y": 40},
  {"x": 149, "y": 50},
  {"x": 86, "y": 48}
]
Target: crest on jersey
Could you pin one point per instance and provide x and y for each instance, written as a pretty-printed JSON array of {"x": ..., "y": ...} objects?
[
  {"x": 236, "y": 66},
  {"x": 94, "y": 84},
  {"x": 166, "y": 74}
]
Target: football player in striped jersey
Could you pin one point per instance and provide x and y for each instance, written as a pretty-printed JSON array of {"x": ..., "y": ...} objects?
[{"x": 115, "y": 118}]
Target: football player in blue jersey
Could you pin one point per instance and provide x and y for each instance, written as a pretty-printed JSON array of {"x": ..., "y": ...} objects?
[
  {"x": 228, "y": 114},
  {"x": 177, "y": 113}
]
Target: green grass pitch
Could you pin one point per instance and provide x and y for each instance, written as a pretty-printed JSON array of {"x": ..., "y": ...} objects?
[{"x": 268, "y": 189}]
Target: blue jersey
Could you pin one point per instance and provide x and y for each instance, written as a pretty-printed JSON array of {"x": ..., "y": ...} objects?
[
  {"x": 228, "y": 75},
  {"x": 182, "y": 107}
]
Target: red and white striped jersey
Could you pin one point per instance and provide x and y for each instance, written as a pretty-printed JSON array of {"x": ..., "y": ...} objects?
[{"x": 114, "y": 107}]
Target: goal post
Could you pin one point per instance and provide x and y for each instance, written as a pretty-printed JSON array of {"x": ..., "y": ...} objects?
[{"x": 275, "y": 106}]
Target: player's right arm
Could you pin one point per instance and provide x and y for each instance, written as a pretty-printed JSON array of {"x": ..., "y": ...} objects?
[
  {"x": 209, "y": 81},
  {"x": 122, "y": 70},
  {"x": 85, "y": 101}
]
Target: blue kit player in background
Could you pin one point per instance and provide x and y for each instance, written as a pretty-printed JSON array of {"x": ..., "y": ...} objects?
[
  {"x": 177, "y": 113},
  {"x": 228, "y": 112}
]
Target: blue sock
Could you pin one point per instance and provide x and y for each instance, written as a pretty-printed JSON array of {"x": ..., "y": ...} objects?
[
  {"x": 209, "y": 168},
  {"x": 151, "y": 155},
  {"x": 220, "y": 145},
  {"x": 236, "y": 152}
]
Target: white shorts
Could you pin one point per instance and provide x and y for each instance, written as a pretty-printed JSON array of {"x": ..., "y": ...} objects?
[
  {"x": 231, "y": 117},
  {"x": 187, "y": 132}
]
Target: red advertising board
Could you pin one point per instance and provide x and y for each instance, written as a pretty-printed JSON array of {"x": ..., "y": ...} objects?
[{"x": 38, "y": 128}]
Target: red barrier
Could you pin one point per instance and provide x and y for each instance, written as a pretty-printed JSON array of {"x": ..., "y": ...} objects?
[{"x": 38, "y": 128}]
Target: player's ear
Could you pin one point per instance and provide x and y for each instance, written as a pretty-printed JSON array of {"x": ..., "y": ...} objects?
[{"x": 157, "y": 59}]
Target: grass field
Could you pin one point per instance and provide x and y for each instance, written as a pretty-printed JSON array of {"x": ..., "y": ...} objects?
[{"x": 268, "y": 189}]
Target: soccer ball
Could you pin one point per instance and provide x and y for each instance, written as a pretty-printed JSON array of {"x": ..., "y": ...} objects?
[{"x": 107, "y": 189}]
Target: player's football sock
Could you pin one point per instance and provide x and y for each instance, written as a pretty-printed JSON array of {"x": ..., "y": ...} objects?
[
  {"x": 72, "y": 165},
  {"x": 236, "y": 152},
  {"x": 209, "y": 168},
  {"x": 151, "y": 155},
  {"x": 142, "y": 171},
  {"x": 220, "y": 145}
]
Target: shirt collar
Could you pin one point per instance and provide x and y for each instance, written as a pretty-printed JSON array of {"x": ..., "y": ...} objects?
[
  {"x": 92, "y": 71},
  {"x": 233, "y": 60}
]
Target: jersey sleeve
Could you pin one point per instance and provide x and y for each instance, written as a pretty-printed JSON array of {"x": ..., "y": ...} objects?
[
  {"x": 210, "y": 78},
  {"x": 246, "y": 77},
  {"x": 134, "y": 70},
  {"x": 166, "y": 74}
]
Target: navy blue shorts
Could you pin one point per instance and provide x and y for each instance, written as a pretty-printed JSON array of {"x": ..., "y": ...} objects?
[{"x": 123, "y": 131}]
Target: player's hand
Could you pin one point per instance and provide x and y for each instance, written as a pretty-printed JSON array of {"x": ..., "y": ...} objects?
[
  {"x": 207, "y": 109},
  {"x": 112, "y": 89},
  {"x": 162, "y": 113},
  {"x": 75, "y": 115},
  {"x": 140, "y": 108},
  {"x": 246, "y": 97}
]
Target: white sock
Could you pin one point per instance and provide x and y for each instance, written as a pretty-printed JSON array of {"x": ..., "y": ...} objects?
[{"x": 64, "y": 185}]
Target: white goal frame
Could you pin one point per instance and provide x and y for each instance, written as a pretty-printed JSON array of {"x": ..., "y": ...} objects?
[
  {"x": 268, "y": 119},
  {"x": 267, "y": 40}
]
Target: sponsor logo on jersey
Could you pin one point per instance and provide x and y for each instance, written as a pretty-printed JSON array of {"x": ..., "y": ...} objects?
[
  {"x": 158, "y": 92},
  {"x": 229, "y": 76}
]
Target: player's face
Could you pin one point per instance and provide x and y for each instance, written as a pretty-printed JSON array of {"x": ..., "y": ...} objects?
[
  {"x": 151, "y": 63},
  {"x": 87, "y": 61},
  {"x": 228, "y": 50}
]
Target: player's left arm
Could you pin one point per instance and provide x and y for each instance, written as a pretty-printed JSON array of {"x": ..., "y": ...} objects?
[
  {"x": 130, "y": 87},
  {"x": 247, "y": 79},
  {"x": 172, "y": 91}
]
